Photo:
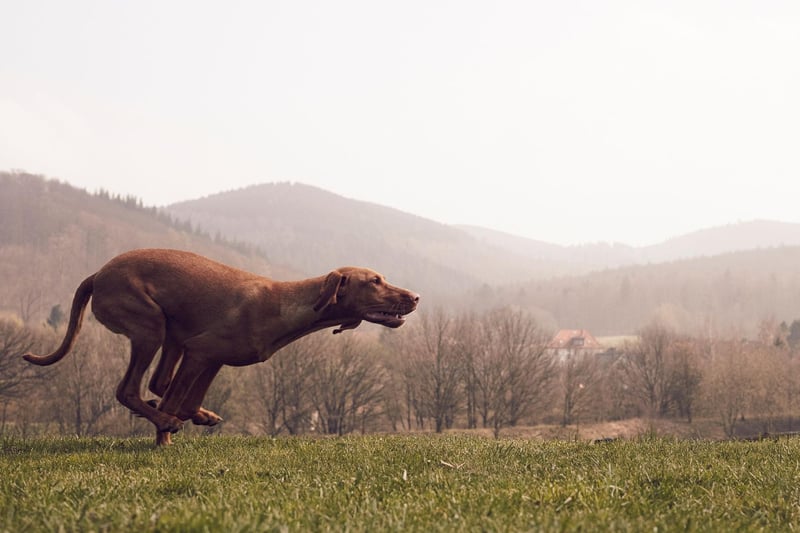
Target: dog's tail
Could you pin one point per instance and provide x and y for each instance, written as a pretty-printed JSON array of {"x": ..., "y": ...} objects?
[{"x": 82, "y": 295}]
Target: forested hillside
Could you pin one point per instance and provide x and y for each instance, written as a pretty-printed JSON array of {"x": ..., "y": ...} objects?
[
  {"x": 314, "y": 230},
  {"x": 53, "y": 235},
  {"x": 731, "y": 292},
  {"x": 610, "y": 289}
]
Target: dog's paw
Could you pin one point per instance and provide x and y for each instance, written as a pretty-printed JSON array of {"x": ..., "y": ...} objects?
[
  {"x": 204, "y": 417},
  {"x": 170, "y": 424},
  {"x": 163, "y": 438}
]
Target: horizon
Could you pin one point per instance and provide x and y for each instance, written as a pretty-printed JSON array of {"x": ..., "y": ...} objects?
[
  {"x": 500, "y": 231},
  {"x": 608, "y": 242},
  {"x": 620, "y": 122}
]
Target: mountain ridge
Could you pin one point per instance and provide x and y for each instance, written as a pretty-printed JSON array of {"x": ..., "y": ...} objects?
[
  {"x": 706, "y": 275},
  {"x": 715, "y": 240},
  {"x": 218, "y": 212},
  {"x": 52, "y": 235}
]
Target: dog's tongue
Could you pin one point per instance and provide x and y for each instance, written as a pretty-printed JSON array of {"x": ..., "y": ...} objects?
[{"x": 391, "y": 320}]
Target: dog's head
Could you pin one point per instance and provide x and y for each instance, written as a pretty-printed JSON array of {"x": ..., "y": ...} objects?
[{"x": 353, "y": 294}]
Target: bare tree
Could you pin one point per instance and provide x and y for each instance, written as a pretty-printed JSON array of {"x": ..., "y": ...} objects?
[
  {"x": 294, "y": 368},
  {"x": 646, "y": 365},
  {"x": 728, "y": 384},
  {"x": 280, "y": 387},
  {"x": 612, "y": 396},
  {"x": 29, "y": 304},
  {"x": 345, "y": 385},
  {"x": 81, "y": 389},
  {"x": 486, "y": 378},
  {"x": 468, "y": 346},
  {"x": 415, "y": 408},
  {"x": 434, "y": 368},
  {"x": 264, "y": 398},
  {"x": 577, "y": 373},
  {"x": 15, "y": 339},
  {"x": 686, "y": 377},
  {"x": 771, "y": 382},
  {"x": 395, "y": 397},
  {"x": 513, "y": 369}
]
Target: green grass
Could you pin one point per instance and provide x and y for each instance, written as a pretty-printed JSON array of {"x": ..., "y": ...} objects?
[{"x": 394, "y": 483}]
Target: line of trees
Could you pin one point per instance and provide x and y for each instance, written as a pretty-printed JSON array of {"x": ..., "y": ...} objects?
[{"x": 441, "y": 371}]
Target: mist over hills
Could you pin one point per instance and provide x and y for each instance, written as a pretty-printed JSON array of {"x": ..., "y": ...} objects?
[
  {"x": 52, "y": 235},
  {"x": 315, "y": 230},
  {"x": 732, "y": 276},
  {"x": 751, "y": 235},
  {"x": 312, "y": 229}
]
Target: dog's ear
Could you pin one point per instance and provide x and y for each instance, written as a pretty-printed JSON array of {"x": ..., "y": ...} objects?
[{"x": 329, "y": 290}]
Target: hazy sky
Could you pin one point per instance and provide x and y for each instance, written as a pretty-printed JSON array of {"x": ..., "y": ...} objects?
[{"x": 558, "y": 120}]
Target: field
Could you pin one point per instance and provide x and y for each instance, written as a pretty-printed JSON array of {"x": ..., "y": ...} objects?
[{"x": 398, "y": 483}]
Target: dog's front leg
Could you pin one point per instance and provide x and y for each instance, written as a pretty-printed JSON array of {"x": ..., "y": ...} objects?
[
  {"x": 186, "y": 392},
  {"x": 191, "y": 407}
]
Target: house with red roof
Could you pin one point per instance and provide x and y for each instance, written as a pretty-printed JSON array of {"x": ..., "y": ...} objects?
[{"x": 574, "y": 341}]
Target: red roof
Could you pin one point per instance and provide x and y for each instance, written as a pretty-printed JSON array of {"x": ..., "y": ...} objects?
[{"x": 574, "y": 338}]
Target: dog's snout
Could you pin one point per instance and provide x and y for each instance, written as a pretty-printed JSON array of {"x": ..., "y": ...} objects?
[{"x": 414, "y": 297}]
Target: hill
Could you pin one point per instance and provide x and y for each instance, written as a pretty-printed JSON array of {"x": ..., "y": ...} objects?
[
  {"x": 730, "y": 293},
  {"x": 315, "y": 230},
  {"x": 732, "y": 276},
  {"x": 53, "y": 235},
  {"x": 750, "y": 235},
  {"x": 564, "y": 260}
]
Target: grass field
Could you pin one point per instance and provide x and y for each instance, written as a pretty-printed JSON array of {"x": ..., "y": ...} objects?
[{"x": 397, "y": 483}]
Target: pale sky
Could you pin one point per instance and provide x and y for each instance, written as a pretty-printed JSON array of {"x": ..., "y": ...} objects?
[{"x": 562, "y": 121}]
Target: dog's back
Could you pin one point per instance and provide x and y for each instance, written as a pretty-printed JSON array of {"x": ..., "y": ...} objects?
[{"x": 189, "y": 289}]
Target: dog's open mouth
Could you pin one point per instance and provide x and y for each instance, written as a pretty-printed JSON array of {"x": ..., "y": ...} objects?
[{"x": 385, "y": 318}]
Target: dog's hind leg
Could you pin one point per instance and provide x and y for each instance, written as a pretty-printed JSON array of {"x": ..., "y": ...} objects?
[
  {"x": 129, "y": 390},
  {"x": 123, "y": 307}
]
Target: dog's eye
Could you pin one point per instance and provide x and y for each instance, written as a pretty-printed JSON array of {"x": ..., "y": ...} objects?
[{"x": 376, "y": 280}]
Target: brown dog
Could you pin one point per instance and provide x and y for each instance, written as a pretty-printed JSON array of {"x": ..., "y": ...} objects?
[{"x": 204, "y": 314}]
